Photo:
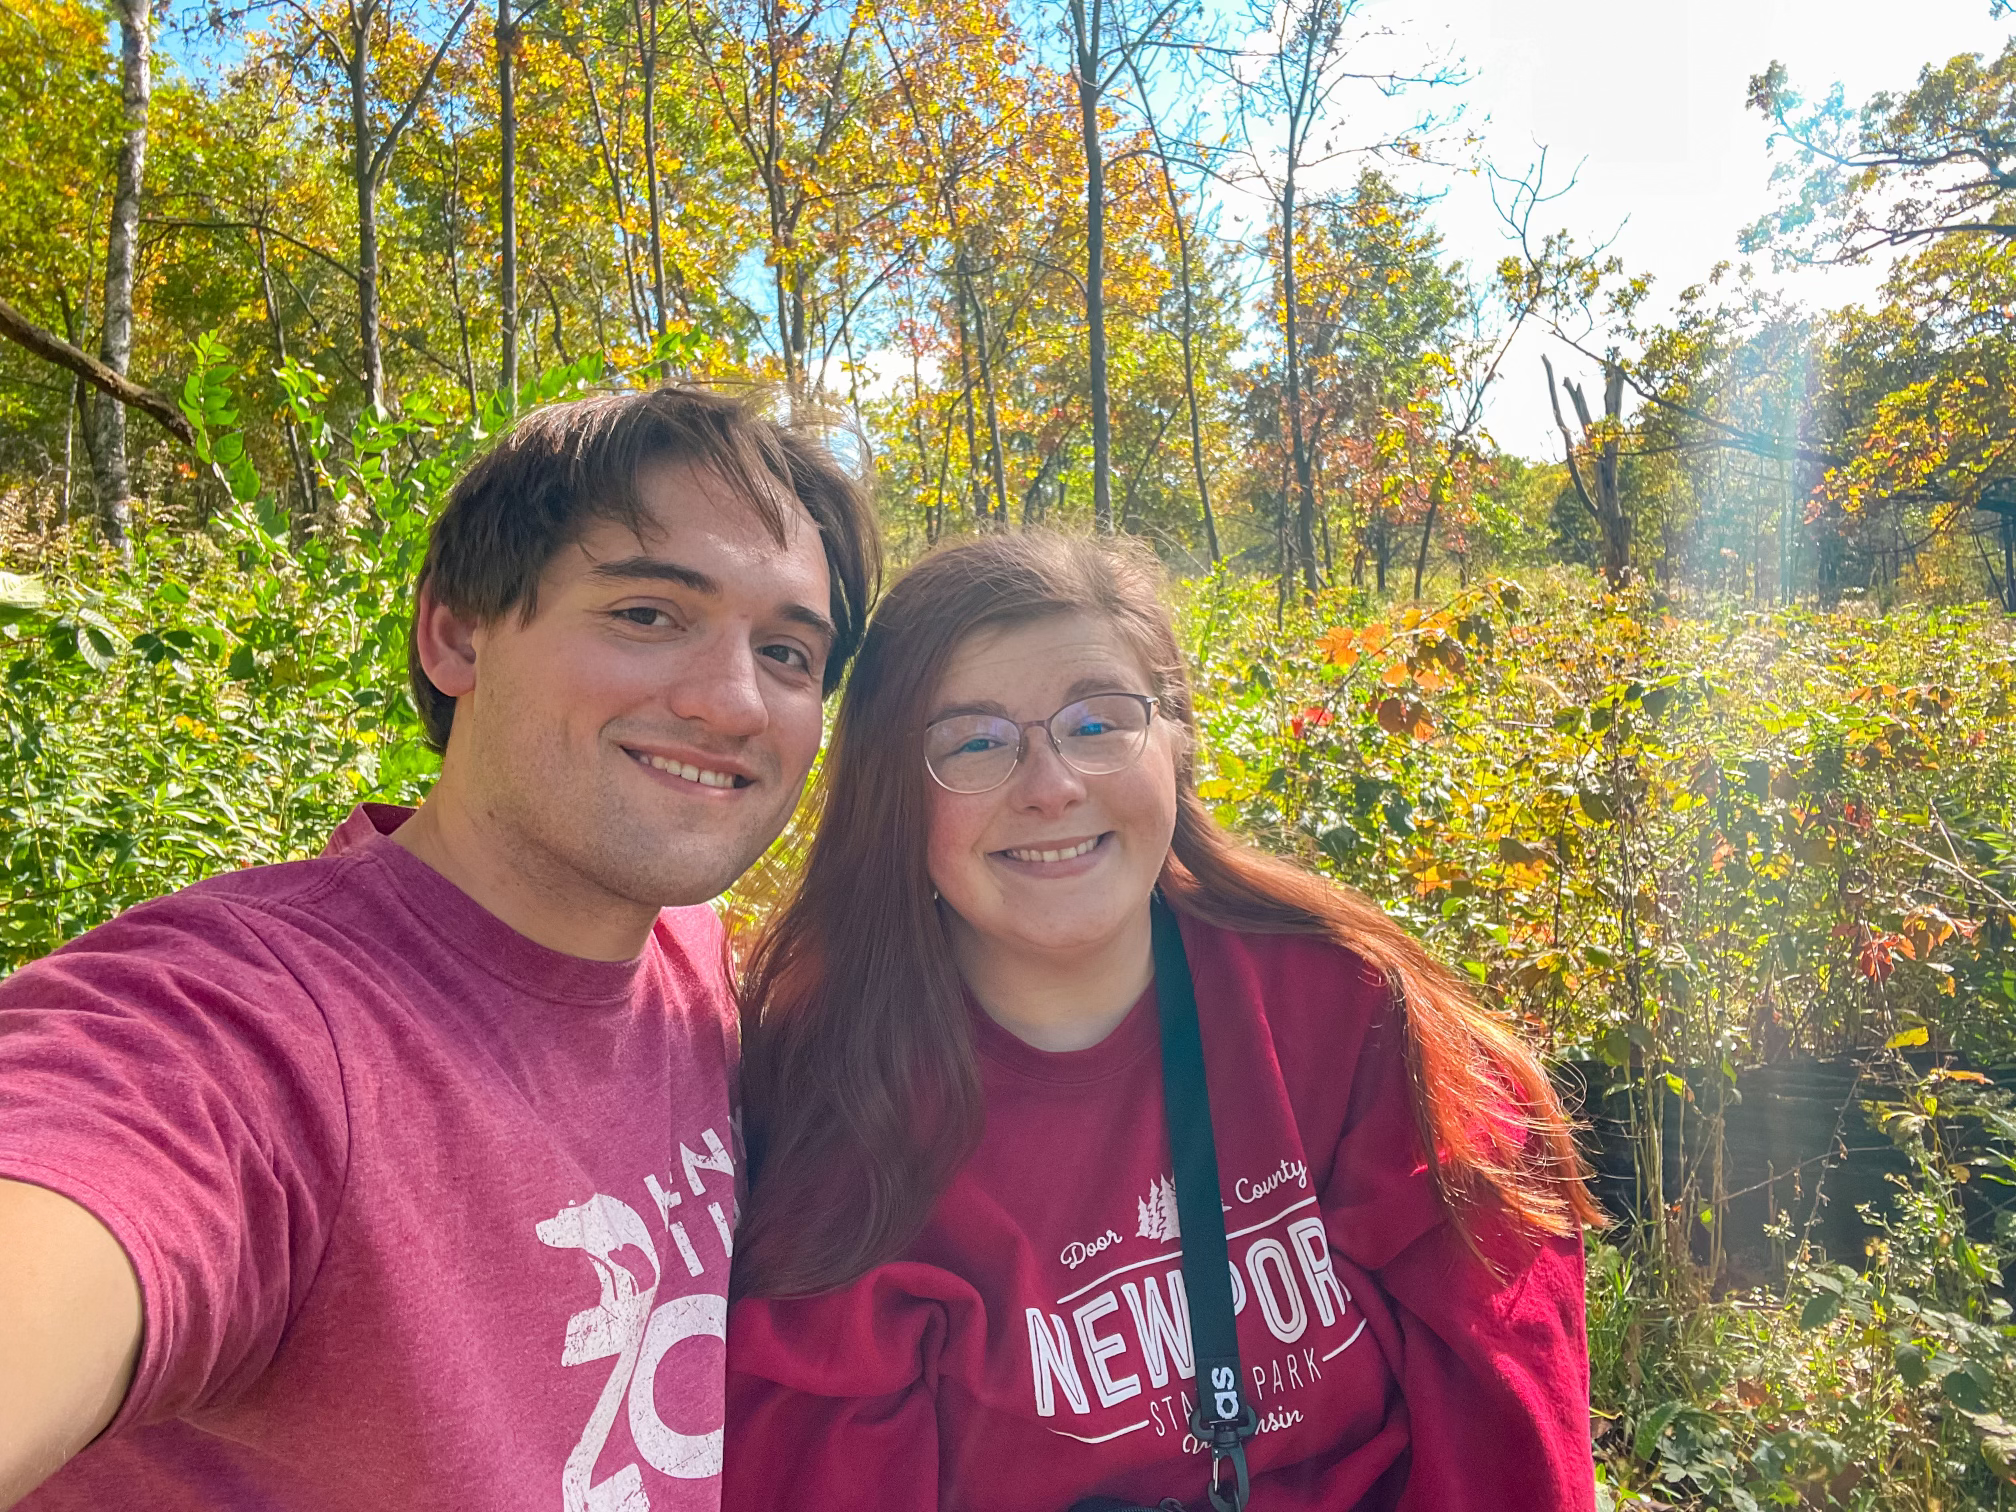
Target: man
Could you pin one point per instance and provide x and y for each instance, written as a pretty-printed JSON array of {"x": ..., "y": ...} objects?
[{"x": 406, "y": 1176}]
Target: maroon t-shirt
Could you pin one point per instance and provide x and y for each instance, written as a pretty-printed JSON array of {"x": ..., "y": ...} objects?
[
  {"x": 1033, "y": 1346},
  {"x": 424, "y": 1214}
]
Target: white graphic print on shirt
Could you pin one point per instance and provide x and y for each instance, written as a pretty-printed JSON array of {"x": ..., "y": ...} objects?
[
  {"x": 1157, "y": 1213},
  {"x": 1091, "y": 1352},
  {"x": 632, "y": 1327}
]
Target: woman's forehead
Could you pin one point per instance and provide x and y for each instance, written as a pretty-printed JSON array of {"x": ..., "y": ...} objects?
[{"x": 1062, "y": 656}]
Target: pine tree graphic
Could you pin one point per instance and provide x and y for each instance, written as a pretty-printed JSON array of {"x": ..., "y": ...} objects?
[{"x": 1157, "y": 1212}]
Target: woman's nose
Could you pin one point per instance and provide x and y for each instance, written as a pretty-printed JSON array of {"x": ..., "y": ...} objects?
[{"x": 1046, "y": 782}]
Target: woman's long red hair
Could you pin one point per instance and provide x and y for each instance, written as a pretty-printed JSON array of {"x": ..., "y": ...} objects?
[{"x": 862, "y": 1088}]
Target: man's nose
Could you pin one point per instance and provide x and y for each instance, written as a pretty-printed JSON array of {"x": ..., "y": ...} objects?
[{"x": 717, "y": 684}]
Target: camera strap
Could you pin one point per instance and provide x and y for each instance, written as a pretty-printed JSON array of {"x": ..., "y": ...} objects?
[{"x": 1224, "y": 1419}]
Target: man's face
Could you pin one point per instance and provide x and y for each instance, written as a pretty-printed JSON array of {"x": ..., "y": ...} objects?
[{"x": 648, "y": 732}]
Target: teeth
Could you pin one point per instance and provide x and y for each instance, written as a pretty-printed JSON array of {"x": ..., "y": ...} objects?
[
  {"x": 1055, "y": 855},
  {"x": 692, "y": 773}
]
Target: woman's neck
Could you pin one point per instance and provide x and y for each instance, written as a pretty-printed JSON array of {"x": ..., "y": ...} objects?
[{"x": 1058, "y": 1000}]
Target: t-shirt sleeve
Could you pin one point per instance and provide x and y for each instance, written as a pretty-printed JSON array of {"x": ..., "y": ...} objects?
[
  {"x": 832, "y": 1400},
  {"x": 1493, "y": 1362},
  {"x": 170, "y": 1075}
]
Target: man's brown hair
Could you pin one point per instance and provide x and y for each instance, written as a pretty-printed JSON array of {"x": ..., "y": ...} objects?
[{"x": 569, "y": 464}]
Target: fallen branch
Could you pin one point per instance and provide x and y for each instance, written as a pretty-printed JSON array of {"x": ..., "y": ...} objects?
[{"x": 50, "y": 347}]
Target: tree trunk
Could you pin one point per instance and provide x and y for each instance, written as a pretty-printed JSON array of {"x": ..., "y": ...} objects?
[
  {"x": 507, "y": 197},
  {"x": 1605, "y": 503},
  {"x": 2009, "y": 562},
  {"x": 647, "y": 57},
  {"x": 369, "y": 162},
  {"x": 115, "y": 347},
  {"x": 365, "y": 183},
  {"x": 1427, "y": 531},
  {"x": 1087, "y": 45},
  {"x": 973, "y": 494},
  {"x": 995, "y": 463},
  {"x": 1305, "y": 477}
]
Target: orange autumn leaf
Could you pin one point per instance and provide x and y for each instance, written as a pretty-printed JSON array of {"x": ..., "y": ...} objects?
[{"x": 1339, "y": 646}]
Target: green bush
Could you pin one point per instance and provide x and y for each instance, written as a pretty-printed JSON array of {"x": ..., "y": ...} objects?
[{"x": 1673, "y": 841}]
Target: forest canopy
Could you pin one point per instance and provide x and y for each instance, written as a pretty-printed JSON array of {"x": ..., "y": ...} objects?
[{"x": 1104, "y": 263}]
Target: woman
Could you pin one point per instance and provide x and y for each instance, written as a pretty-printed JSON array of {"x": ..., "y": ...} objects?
[{"x": 961, "y": 1268}]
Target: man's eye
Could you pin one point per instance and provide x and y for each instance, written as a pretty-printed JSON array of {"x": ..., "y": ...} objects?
[
  {"x": 645, "y": 615},
  {"x": 789, "y": 656}
]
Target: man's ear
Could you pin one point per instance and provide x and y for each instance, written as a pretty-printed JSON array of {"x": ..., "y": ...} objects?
[{"x": 446, "y": 642}]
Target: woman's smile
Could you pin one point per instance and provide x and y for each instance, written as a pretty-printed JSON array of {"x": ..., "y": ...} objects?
[{"x": 1056, "y": 858}]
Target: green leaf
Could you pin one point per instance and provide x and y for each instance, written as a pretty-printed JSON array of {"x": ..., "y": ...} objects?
[
  {"x": 1820, "y": 1309},
  {"x": 1645, "y": 1442},
  {"x": 1910, "y": 1362},
  {"x": 1966, "y": 1388},
  {"x": 21, "y": 597}
]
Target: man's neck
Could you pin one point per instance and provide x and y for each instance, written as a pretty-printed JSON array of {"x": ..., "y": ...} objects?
[
  {"x": 548, "y": 904},
  {"x": 1059, "y": 1002}
]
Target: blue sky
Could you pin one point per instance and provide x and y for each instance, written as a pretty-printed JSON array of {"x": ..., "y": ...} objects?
[{"x": 1648, "y": 100}]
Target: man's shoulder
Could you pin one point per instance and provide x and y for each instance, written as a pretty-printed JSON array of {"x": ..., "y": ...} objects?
[{"x": 235, "y": 915}]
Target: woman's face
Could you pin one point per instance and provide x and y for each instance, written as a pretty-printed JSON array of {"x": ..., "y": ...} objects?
[{"x": 1109, "y": 834}]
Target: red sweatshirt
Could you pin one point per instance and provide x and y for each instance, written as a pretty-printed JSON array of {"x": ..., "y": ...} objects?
[{"x": 1032, "y": 1347}]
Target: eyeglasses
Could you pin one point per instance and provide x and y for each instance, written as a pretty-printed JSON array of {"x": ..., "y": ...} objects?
[{"x": 976, "y": 753}]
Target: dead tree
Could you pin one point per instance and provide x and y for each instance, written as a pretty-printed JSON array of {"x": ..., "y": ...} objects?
[{"x": 1605, "y": 501}]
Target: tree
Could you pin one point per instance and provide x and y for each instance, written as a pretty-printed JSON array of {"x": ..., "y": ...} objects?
[
  {"x": 115, "y": 341},
  {"x": 803, "y": 95},
  {"x": 1592, "y": 463},
  {"x": 1179, "y": 224},
  {"x": 1294, "y": 82},
  {"x": 1106, "y": 45},
  {"x": 1939, "y": 160},
  {"x": 346, "y": 42}
]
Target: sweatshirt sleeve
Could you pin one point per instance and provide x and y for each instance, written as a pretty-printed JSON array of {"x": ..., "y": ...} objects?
[
  {"x": 1492, "y": 1359},
  {"x": 832, "y": 1400}
]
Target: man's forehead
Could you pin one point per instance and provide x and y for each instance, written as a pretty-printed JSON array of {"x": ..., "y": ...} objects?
[
  {"x": 685, "y": 509},
  {"x": 681, "y": 494}
]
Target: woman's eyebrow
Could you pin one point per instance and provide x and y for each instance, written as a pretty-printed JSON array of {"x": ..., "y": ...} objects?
[
  {"x": 1086, "y": 686},
  {"x": 979, "y": 706},
  {"x": 1083, "y": 688}
]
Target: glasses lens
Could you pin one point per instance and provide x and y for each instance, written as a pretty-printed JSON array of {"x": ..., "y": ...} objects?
[
  {"x": 970, "y": 753},
  {"x": 1103, "y": 733}
]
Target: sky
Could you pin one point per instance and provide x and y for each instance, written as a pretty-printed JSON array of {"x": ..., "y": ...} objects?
[{"x": 1645, "y": 103}]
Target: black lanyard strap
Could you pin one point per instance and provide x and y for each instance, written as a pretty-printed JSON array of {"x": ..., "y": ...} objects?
[{"x": 1224, "y": 1419}]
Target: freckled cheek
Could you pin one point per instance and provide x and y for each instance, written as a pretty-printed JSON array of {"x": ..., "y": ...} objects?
[{"x": 954, "y": 849}]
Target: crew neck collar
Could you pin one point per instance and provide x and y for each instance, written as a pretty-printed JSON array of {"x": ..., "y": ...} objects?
[
  {"x": 1133, "y": 1037},
  {"x": 462, "y": 925}
]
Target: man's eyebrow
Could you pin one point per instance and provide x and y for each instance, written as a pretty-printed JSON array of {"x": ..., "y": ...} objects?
[
  {"x": 655, "y": 569},
  {"x": 811, "y": 619},
  {"x": 659, "y": 570}
]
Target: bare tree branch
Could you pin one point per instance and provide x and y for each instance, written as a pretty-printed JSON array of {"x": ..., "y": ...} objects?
[{"x": 50, "y": 347}]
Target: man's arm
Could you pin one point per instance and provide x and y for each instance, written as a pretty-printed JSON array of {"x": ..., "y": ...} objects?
[{"x": 69, "y": 1333}]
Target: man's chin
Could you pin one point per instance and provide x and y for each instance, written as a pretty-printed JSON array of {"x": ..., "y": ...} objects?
[{"x": 682, "y": 872}]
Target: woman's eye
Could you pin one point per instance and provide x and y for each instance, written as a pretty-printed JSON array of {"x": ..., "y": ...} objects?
[{"x": 978, "y": 745}]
